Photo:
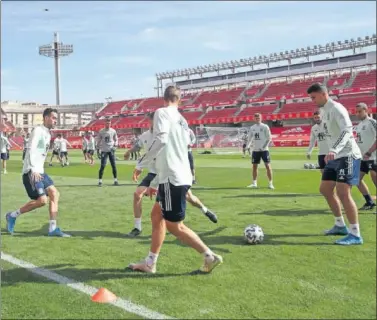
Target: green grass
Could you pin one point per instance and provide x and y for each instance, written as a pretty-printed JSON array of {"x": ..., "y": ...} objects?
[{"x": 296, "y": 273}]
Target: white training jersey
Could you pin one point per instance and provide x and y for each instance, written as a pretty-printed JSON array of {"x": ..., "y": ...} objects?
[
  {"x": 4, "y": 144},
  {"x": 84, "y": 143},
  {"x": 366, "y": 135},
  {"x": 56, "y": 145},
  {"x": 107, "y": 139},
  {"x": 259, "y": 137},
  {"x": 36, "y": 154},
  {"x": 169, "y": 147},
  {"x": 63, "y": 145},
  {"x": 192, "y": 139},
  {"x": 91, "y": 143},
  {"x": 318, "y": 135},
  {"x": 146, "y": 140},
  {"x": 338, "y": 128}
]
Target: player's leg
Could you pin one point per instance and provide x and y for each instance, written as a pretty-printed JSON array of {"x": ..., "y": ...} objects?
[
  {"x": 137, "y": 204},
  {"x": 4, "y": 165},
  {"x": 321, "y": 162},
  {"x": 173, "y": 205},
  {"x": 255, "y": 160},
  {"x": 327, "y": 189},
  {"x": 373, "y": 175},
  {"x": 195, "y": 201},
  {"x": 363, "y": 188},
  {"x": 348, "y": 175},
  {"x": 113, "y": 167},
  {"x": 104, "y": 156},
  {"x": 244, "y": 150},
  {"x": 267, "y": 162},
  {"x": 192, "y": 166},
  {"x": 158, "y": 237}
]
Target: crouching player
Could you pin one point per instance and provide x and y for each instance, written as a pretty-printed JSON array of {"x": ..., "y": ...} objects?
[{"x": 38, "y": 184}]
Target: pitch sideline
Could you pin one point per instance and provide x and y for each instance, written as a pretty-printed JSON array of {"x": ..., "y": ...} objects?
[{"x": 124, "y": 304}]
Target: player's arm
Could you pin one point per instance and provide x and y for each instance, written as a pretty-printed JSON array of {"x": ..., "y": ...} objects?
[
  {"x": 161, "y": 128},
  {"x": 344, "y": 122},
  {"x": 99, "y": 140},
  {"x": 268, "y": 137},
  {"x": 115, "y": 139},
  {"x": 311, "y": 144},
  {"x": 373, "y": 130},
  {"x": 192, "y": 138}
]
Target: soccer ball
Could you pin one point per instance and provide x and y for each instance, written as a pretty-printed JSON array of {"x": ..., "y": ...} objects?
[
  {"x": 253, "y": 234},
  {"x": 312, "y": 166},
  {"x": 306, "y": 165}
]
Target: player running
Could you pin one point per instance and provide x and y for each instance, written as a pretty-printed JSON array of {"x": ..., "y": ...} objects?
[
  {"x": 366, "y": 132},
  {"x": 64, "y": 150},
  {"x": 106, "y": 144},
  {"x": 342, "y": 170},
  {"x": 38, "y": 184},
  {"x": 150, "y": 180},
  {"x": 318, "y": 135},
  {"x": 169, "y": 148},
  {"x": 25, "y": 145},
  {"x": 4, "y": 150},
  {"x": 192, "y": 140},
  {"x": 260, "y": 138},
  {"x": 55, "y": 150},
  {"x": 91, "y": 146}
]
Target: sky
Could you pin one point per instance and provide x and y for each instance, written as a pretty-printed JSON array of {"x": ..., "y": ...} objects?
[{"x": 120, "y": 46}]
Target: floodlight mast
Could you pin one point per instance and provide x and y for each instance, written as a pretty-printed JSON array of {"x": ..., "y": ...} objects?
[{"x": 56, "y": 50}]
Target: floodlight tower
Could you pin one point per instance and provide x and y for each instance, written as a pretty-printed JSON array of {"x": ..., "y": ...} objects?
[{"x": 56, "y": 50}]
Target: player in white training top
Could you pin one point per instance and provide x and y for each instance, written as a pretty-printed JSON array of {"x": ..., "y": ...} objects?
[
  {"x": 91, "y": 146},
  {"x": 107, "y": 143},
  {"x": 169, "y": 148},
  {"x": 38, "y": 184},
  {"x": 4, "y": 148},
  {"x": 84, "y": 146},
  {"x": 26, "y": 145},
  {"x": 342, "y": 168},
  {"x": 192, "y": 140},
  {"x": 63, "y": 150},
  {"x": 259, "y": 139},
  {"x": 366, "y": 140},
  {"x": 55, "y": 150},
  {"x": 318, "y": 135}
]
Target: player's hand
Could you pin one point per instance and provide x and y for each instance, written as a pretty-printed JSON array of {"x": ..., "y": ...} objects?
[
  {"x": 330, "y": 157},
  {"x": 36, "y": 177},
  {"x": 136, "y": 175},
  {"x": 151, "y": 192},
  {"x": 308, "y": 156},
  {"x": 366, "y": 156}
]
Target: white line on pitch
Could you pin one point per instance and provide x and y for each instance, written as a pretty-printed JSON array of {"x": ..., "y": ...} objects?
[{"x": 126, "y": 305}]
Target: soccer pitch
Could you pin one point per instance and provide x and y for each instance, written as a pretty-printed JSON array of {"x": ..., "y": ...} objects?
[{"x": 296, "y": 273}]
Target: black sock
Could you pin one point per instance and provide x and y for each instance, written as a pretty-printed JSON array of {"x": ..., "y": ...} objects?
[{"x": 368, "y": 199}]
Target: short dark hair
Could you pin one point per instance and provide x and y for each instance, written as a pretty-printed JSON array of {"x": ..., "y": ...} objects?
[
  {"x": 316, "y": 87},
  {"x": 316, "y": 113},
  {"x": 172, "y": 94},
  {"x": 256, "y": 114},
  {"x": 47, "y": 112},
  {"x": 362, "y": 105}
]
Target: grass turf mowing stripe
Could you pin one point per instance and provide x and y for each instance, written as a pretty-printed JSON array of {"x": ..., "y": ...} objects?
[{"x": 79, "y": 286}]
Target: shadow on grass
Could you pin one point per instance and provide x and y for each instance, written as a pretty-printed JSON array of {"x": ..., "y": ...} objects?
[
  {"x": 274, "y": 195},
  {"x": 287, "y": 212},
  {"x": 93, "y": 185},
  {"x": 10, "y": 277}
]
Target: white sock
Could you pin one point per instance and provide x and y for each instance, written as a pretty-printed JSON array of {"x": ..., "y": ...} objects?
[
  {"x": 151, "y": 259},
  {"x": 208, "y": 254},
  {"x": 138, "y": 223},
  {"x": 355, "y": 229},
  {"x": 115, "y": 179},
  {"x": 52, "y": 226},
  {"x": 204, "y": 209},
  {"x": 339, "y": 221},
  {"x": 254, "y": 181},
  {"x": 270, "y": 182},
  {"x": 15, "y": 214},
  {"x": 100, "y": 180}
]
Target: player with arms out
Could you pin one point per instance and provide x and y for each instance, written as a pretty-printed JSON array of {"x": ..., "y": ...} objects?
[
  {"x": 148, "y": 187},
  {"x": 107, "y": 143},
  {"x": 4, "y": 146},
  {"x": 342, "y": 168},
  {"x": 318, "y": 135},
  {"x": 169, "y": 150},
  {"x": 38, "y": 184},
  {"x": 260, "y": 138},
  {"x": 26, "y": 145},
  {"x": 366, "y": 140}
]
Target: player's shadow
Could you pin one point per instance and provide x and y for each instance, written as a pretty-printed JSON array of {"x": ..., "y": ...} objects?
[
  {"x": 93, "y": 185},
  {"x": 71, "y": 274},
  {"x": 274, "y": 195},
  {"x": 287, "y": 212},
  {"x": 216, "y": 188}
]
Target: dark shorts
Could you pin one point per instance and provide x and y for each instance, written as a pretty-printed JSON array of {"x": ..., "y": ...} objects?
[
  {"x": 258, "y": 155},
  {"x": 191, "y": 160},
  {"x": 345, "y": 169},
  {"x": 135, "y": 149},
  {"x": 366, "y": 166},
  {"x": 91, "y": 152},
  {"x": 244, "y": 146},
  {"x": 36, "y": 189},
  {"x": 84, "y": 151},
  {"x": 172, "y": 200},
  {"x": 146, "y": 182},
  {"x": 374, "y": 167},
  {"x": 63, "y": 154},
  {"x": 5, "y": 156},
  {"x": 321, "y": 161},
  {"x": 55, "y": 153}
]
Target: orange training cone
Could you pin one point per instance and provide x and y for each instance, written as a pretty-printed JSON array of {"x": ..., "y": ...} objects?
[{"x": 104, "y": 296}]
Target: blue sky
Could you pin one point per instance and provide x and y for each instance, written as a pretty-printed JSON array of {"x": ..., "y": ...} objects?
[{"x": 119, "y": 46}]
